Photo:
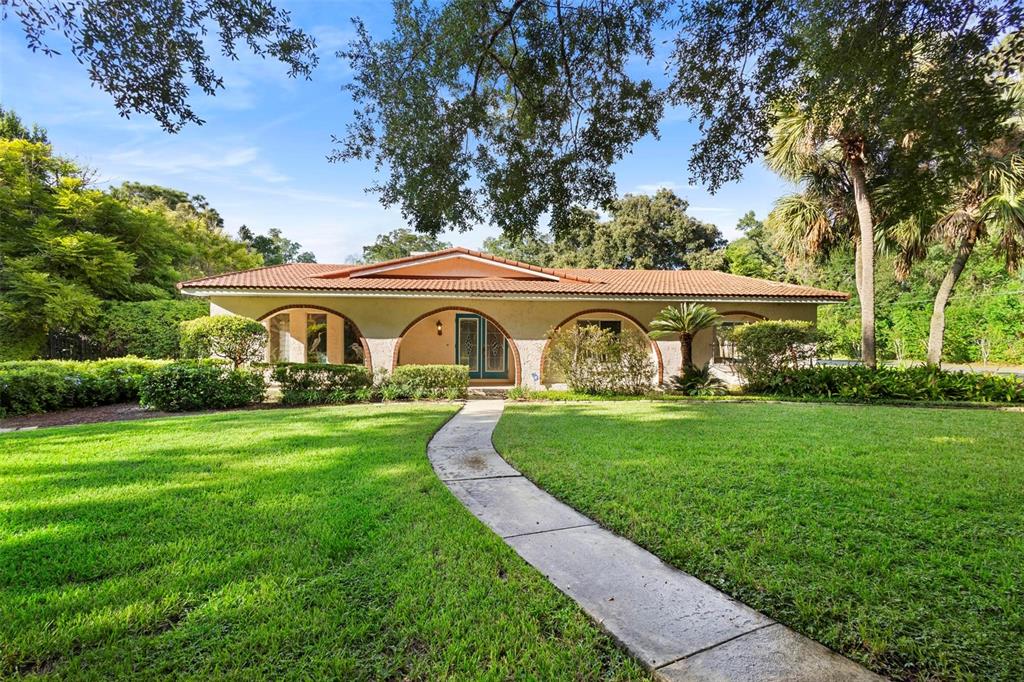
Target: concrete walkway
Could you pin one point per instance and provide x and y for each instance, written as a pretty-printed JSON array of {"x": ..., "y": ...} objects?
[{"x": 678, "y": 626}]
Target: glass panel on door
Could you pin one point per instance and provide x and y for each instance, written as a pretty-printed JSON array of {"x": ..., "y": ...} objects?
[
  {"x": 468, "y": 349},
  {"x": 494, "y": 349}
]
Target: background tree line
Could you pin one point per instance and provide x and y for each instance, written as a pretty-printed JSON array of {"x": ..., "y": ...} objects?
[{"x": 96, "y": 270}]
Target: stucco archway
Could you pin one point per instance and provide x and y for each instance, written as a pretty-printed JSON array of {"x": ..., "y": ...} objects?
[
  {"x": 659, "y": 361},
  {"x": 367, "y": 357},
  {"x": 516, "y": 372}
]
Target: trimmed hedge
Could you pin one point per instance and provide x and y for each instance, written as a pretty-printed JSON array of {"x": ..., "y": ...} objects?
[
  {"x": 48, "y": 385},
  {"x": 148, "y": 329},
  {"x": 201, "y": 385},
  {"x": 321, "y": 384},
  {"x": 859, "y": 383},
  {"x": 427, "y": 381},
  {"x": 230, "y": 337}
]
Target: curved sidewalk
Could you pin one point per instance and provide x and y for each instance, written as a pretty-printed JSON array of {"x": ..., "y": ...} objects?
[{"x": 676, "y": 625}]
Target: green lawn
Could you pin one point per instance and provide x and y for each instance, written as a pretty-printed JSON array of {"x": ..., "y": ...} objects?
[
  {"x": 264, "y": 545},
  {"x": 894, "y": 535}
]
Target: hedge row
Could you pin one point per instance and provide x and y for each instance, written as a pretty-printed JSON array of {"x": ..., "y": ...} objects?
[
  {"x": 320, "y": 384},
  {"x": 47, "y": 385},
  {"x": 860, "y": 383},
  {"x": 201, "y": 385}
]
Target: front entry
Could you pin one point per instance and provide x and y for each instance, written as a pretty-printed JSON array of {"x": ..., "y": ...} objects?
[{"x": 480, "y": 345}]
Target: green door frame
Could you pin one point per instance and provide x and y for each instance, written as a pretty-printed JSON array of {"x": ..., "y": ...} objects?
[{"x": 481, "y": 372}]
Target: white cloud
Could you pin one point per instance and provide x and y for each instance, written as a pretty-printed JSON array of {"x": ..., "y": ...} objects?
[{"x": 653, "y": 187}]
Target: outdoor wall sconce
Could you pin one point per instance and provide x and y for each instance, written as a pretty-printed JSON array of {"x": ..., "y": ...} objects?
[{"x": 440, "y": 327}]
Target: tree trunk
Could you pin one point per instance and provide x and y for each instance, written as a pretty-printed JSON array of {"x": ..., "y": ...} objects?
[
  {"x": 857, "y": 274},
  {"x": 867, "y": 255},
  {"x": 686, "y": 343},
  {"x": 937, "y": 329}
]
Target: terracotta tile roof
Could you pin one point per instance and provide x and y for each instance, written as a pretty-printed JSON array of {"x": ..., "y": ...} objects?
[{"x": 582, "y": 282}]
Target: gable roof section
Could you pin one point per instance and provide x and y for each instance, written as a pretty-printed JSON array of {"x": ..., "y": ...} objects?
[{"x": 445, "y": 273}]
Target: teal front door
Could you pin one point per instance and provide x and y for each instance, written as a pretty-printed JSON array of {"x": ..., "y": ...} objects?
[{"x": 481, "y": 346}]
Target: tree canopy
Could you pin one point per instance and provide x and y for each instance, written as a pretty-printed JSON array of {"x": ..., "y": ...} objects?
[
  {"x": 274, "y": 247},
  {"x": 149, "y": 54},
  {"x": 504, "y": 112},
  {"x": 399, "y": 244}
]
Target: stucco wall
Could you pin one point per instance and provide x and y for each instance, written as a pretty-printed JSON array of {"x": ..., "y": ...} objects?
[{"x": 382, "y": 319}]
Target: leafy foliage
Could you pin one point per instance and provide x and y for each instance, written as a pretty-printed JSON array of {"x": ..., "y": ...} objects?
[
  {"x": 149, "y": 329},
  {"x": 427, "y": 381},
  {"x": 48, "y": 385},
  {"x": 201, "y": 385},
  {"x": 320, "y": 384},
  {"x": 499, "y": 113},
  {"x": 274, "y": 247},
  {"x": 594, "y": 360},
  {"x": 399, "y": 244},
  {"x": 888, "y": 383},
  {"x": 684, "y": 322},
  {"x": 697, "y": 381},
  {"x": 66, "y": 248},
  {"x": 768, "y": 347},
  {"x": 146, "y": 58},
  {"x": 237, "y": 339}
]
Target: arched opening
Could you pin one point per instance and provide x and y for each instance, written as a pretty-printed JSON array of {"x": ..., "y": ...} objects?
[
  {"x": 609, "y": 319},
  {"x": 461, "y": 336},
  {"x": 723, "y": 350},
  {"x": 312, "y": 333}
]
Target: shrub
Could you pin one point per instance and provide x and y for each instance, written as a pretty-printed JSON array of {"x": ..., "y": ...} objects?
[
  {"x": 149, "y": 329},
  {"x": 861, "y": 383},
  {"x": 697, "y": 381},
  {"x": 519, "y": 393},
  {"x": 427, "y": 381},
  {"x": 318, "y": 384},
  {"x": 598, "y": 361},
  {"x": 192, "y": 385},
  {"x": 231, "y": 337},
  {"x": 766, "y": 348},
  {"x": 47, "y": 385}
]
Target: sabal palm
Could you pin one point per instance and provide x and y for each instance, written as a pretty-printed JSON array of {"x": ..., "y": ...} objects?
[
  {"x": 988, "y": 204},
  {"x": 684, "y": 322}
]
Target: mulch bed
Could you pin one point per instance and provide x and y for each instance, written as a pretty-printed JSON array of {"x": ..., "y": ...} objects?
[{"x": 83, "y": 415}]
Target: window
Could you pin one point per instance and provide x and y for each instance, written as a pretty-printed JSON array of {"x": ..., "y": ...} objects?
[
  {"x": 316, "y": 337},
  {"x": 352, "y": 344},
  {"x": 614, "y": 326},
  {"x": 280, "y": 333}
]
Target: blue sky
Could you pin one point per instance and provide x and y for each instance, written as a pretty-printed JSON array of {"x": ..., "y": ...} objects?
[{"x": 260, "y": 158}]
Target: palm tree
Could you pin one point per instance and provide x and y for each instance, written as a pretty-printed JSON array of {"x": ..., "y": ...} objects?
[
  {"x": 834, "y": 205},
  {"x": 989, "y": 203},
  {"x": 684, "y": 322}
]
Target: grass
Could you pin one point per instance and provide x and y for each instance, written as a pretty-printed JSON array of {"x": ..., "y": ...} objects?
[
  {"x": 894, "y": 535},
  {"x": 274, "y": 544}
]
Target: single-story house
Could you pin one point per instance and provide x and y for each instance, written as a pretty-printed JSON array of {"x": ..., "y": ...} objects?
[{"x": 490, "y": 313}]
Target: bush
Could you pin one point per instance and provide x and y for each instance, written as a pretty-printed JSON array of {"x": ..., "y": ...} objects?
[
  {"x": 697, "y": 381},
  {"x": 149, "y": 329},
  {"x": 417, "y": 382},
  {"x": 191, "y": 385},
  {"x": 231, "y": 337},
  {"x": 766, "y": 348},
  {"x": 861, "y": 383},
  {"x": 319, "y": 384},
  {"x": 598, "y": 361},
  {"x": 48, "y": 385}
]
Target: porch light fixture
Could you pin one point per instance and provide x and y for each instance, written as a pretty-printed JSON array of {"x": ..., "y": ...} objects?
[{"x": 440, "y": 327}]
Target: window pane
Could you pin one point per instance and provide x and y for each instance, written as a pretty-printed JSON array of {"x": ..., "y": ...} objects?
[
  {"x": 316, "y": 337},
  {"x": 469, "y": 343},
  {"x": 494, "y": 349},
  {"x": 279, "y": 335},
  {"x": 353, "y": 346}
]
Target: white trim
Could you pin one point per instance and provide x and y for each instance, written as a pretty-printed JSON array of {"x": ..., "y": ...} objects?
[
  {"x": 263, "y": 293},
  {"x": 450, "y": 256}
]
